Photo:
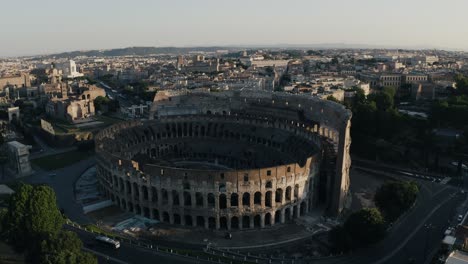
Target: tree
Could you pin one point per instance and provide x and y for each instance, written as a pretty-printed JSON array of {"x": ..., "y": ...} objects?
[
  {"x": 395, "y": 197},
  {"x": 333, "y": 99},
  {"x": 365, "y": 227},
  {"x": 65, "y": 247},
  {"x": 362, "y": 228}
]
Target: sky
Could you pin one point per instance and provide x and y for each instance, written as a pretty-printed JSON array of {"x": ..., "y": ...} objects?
[{"x": 31, "y": 27}]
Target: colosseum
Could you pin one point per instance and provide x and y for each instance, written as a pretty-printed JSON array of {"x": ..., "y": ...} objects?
[{"x": 228, "y": 160}]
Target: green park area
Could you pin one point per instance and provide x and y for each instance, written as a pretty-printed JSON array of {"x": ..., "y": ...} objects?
[{"x": 61, "y": 160}]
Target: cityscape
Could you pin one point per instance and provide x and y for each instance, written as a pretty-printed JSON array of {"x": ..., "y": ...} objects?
[{"x": 128, "y": 139}]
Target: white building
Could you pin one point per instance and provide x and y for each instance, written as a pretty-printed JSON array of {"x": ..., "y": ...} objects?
[{"x": 69, "y": 69}]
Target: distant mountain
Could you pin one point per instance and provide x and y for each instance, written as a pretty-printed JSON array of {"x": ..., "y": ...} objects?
[{"x": 135, "y": 51}]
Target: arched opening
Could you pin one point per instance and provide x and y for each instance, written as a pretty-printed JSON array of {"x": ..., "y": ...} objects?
[
  {"x": 246, "y": 199},
  {"x": 258, "y": 198},
  {"x": 146, "y": 212},
  {"x": 278, "y": 217},
  {"x": 268, "y": 199},
  {"x": 235, "y": 222},
  {"x": 187, "y": 199},
  {"x": 129, "y": 187},
  {"x": 267, "y": 219},
  {"x": 287, "y": 214},
  {"x": 165, "y": 196},
  {"x": 175, "y": 198},
  {"x": 124, "y": 204},
  {"x": 166, "y": 217},
  {"x": 156, "y": 214},
  {"x": 145, "y": 193},
  {"x": 279, "y": 195},
  {"x": 223, "y": 222},
  {"x": 257, "y": 220},
  {"x": 211, "y": 223},
  {"x": 177, "y": 219},
  {"x": 222, "y": 201},
  {"x": 154, "y": 194},
  {"x": 245, "y": 221},
  {"x": 138, "y": 209},
  {"x": 211, "y": 200},
  {"x": 295, "y": 211},
  {"x": 130, "y": 207},
  {"x": 188, "y": 220},
  {"x": 234, "y": 199},
  {"x": 199, "y": 199},
  {"x": 303, "y": 209},
  {"x": 288, "y": 193},
  {"x": 136, "y": 191},
  {"x": 296, "y": 191},
  {"x": 200, "y": 221}
]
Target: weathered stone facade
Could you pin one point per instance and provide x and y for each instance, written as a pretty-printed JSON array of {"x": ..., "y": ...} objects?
[{"x": 228, "y": 160}]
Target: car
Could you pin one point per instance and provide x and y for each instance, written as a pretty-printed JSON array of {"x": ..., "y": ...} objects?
[{"x": 460, "y": 218}]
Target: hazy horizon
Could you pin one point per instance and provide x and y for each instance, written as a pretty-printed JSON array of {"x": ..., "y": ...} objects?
[{"x": 52, "y": 26}]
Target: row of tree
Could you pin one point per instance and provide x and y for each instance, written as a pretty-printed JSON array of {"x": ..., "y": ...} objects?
[
  {"x": 33, "y": 224},
  {"x": 368, "y": 226}
]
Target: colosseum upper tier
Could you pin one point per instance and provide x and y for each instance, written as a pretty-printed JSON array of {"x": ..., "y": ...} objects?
[{"x": 228, "y": 160}]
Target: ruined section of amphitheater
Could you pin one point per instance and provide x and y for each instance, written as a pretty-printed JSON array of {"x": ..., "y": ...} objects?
[{"x": 228, "y": 160}]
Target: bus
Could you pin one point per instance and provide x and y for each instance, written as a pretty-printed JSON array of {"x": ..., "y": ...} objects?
[{"x": 106, "y": 241}]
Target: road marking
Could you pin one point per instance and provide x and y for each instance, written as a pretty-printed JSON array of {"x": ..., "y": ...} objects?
[
  {"x": 383, "y": 260},
  {"x": 105, "y": 256}
]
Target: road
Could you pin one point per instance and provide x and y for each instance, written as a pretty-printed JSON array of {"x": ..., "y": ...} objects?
[{"x": 129, "y": 253}]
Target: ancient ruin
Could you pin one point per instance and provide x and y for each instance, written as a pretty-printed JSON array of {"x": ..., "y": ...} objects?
[{"x": 228, "y": 160}]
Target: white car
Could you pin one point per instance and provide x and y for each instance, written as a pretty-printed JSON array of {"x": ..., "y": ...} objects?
[{"x": 460, "y": 218}]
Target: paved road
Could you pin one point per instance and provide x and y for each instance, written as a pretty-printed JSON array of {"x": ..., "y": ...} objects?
[{"x": 129, "y": 253}]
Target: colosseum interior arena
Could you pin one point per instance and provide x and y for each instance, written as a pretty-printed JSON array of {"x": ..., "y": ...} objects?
[{"x": 228, "y": 160}]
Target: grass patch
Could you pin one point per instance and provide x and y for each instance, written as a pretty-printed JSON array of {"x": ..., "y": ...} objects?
[
  {"x": 96, "y": 229},
  {"x": 61, "y": 160}
]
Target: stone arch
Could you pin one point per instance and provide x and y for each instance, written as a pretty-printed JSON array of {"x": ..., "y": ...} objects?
[
  {"x": 234, "y": 199},
  {"x": 246, "y": 221},
  {"x": 188, "y": 220},
  {"x": 165, "y": 196},
  {"x": 156, "y": 214},
  {"x": 246, "y": 199},
  {"x": 288, "y": 193},
  {"x": 279, "y": 195},
  {"x": 123, "y": 204},
  {"x": 146, "y": 212},
  {"x": 177, "y": 220},
  {"x": 211, "y": 223},
  {"x": 235, "y": 222},
  {"x": 258, "y": 198},
  {"x": 199, "y": 199},
  {"x": 166, "y": 218},
  {"x": 296, "y": 191},
  {"x": 175, "y": 198},
  {"x": 130, "y": 206},
  {"x": 187, "y": 199},
  {"x": 257, "y": 221},
  {"x": 287, "y": 214},
  {"x": 267, "y": 219},
  {"x": 223, "y": 223},
  {"x": 303, "y": 210},
  {"x": 136, "y": 191},
  {"x": 200, "y": 221},
  {"x": 268, "y": 202},
  {"x": 277, "y": 217},
  {"x": 222, "y": 201},
  {"x": 144, "y": 189},
  {"x": 154, "y": 193},
  {"x": 211, "y": 200}
]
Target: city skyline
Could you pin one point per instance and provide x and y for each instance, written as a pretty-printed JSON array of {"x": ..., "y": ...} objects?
[{"x": 48, "y": 27}]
